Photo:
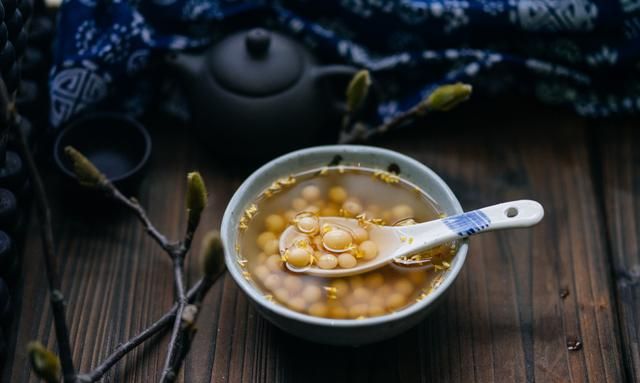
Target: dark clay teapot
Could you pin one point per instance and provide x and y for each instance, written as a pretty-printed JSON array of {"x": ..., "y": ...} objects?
[{"x": 256, "y": 94}]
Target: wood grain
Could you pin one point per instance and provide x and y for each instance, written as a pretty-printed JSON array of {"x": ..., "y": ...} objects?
[
  {"x": 504, "y": 320},
  {"x": 617, "y": 145}
]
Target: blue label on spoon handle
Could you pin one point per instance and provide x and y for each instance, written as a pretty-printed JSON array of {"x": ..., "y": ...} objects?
[{"x": 468, "y": 223}]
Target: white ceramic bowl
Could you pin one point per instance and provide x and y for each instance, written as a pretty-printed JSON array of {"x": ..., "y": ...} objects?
[{"x": 338, "y": 331}]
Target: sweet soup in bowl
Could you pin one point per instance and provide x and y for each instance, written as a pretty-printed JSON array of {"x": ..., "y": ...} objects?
[
  {"x": 373, "y": 197},
  {"x": 371, "y": 185}
]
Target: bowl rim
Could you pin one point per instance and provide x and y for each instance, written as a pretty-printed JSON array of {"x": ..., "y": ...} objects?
[
  {"x": 81, "y": 123},
  {"x": 258, "y": 297}
]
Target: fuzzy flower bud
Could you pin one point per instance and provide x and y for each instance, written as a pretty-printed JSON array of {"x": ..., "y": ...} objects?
[
  {"x": 86, "y": 172},
  {"x": 43, "y": 362},
  {"x": 196, "y": 197},
  {"x": 212, "y": 254},
  {"x": 358, "y": 89},
  {"x": 196, "y": 192},
  {"x": 447, "y": 97}
]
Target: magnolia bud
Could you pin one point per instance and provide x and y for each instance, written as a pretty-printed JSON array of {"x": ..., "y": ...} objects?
[
  {"x": 446, "y": 97},
  {"x": 196, "y": 196},
  {"x": 212, "y": 254},
  {"x": 43, "y": 362},
  {"x": 357, "y": 90},
  {"x": 196, "y": 192},
  {"x": 86, "y": 172}
]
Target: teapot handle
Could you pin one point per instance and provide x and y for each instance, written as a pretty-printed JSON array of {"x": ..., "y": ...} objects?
[{"x": 324, "y": 72}]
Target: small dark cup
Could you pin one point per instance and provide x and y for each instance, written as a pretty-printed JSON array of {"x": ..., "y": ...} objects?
[{"x": 118, "y": 146}]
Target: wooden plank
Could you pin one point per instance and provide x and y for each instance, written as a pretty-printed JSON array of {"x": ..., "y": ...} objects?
[
  {"x": 618, "y": 147},
  {"x": 504, "y": 320},
  {"x": 508, "y": 300}
]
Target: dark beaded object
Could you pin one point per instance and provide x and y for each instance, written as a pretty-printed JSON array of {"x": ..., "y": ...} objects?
[
  {"x": 8, "y": 258},
  {"x": 14, "y": 24},
  {"x": 5, "y": 301},
  {"x": 7, "y": 57},
  {"x": 9, "y": 6},
  {"x": 8, "y": 209},
  {"x": 12, "y": 174},
  {"x": 25, "y": 7},
  {"x": 20, "y": 42}
]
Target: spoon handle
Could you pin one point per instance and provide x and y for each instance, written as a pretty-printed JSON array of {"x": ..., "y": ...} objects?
[{"x": 514, "y": 214}]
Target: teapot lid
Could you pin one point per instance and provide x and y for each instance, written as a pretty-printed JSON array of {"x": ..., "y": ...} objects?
[{"x": 256, "y": 63}]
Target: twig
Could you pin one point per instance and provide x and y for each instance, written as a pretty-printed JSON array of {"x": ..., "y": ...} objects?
[
  {"x": 187, "y": 334},
  {"x": 167, "y": 373},
  {"x": 360, "y": 132},
  {"x": 195, "y": 294},
  {"x": 212, "y": 266},
  {"x": 129, "y": 345},
  {"x": 443, "y": 98},
  {"x": 175, "y": 349},
  {"x": 196, "y": 201},
  {"x": 134, "y": 206},
  {"x": 49, "y": 256},
  {"x": 176, "y": 251}
]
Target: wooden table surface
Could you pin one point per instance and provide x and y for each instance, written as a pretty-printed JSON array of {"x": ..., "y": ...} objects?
[{"x": 521, "y": 297}]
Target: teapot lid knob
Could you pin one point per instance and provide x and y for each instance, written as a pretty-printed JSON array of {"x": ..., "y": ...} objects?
[
  {"x": 257, "y": 62},
  {"x": 257, "y": 42}
]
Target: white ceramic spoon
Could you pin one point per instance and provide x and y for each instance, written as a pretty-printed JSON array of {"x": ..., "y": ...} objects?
[{"x": 398, "y": 241}]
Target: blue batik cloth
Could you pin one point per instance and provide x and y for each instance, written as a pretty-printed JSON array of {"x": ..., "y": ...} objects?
[{"x": 583, "y": 54}]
